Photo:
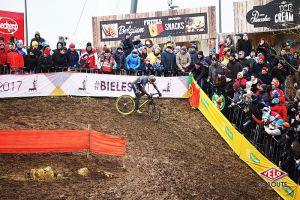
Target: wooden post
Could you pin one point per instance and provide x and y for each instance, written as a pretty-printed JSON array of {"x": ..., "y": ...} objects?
[
  {"x": 89, "y": 141},
  {"x": 123, "y": 162}
]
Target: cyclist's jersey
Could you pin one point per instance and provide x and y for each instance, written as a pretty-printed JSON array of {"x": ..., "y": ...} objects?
[{"x": 141, "y": 81}]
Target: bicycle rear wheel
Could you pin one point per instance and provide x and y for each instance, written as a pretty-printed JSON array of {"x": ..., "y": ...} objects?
[
  {"x": 125, "y": 105},
  {"x": 154, "y": 111}
]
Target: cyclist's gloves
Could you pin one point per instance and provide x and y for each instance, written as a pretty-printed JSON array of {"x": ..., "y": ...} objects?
[{"x": 159, "y": 94}]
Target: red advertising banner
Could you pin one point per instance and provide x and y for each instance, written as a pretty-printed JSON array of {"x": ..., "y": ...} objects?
[{"x": 11, "y": 24}]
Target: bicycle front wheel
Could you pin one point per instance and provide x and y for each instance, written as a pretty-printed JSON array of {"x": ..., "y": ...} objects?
[
  {"x": 125, "y": 105},
  {"x": 154, "y": 112}
]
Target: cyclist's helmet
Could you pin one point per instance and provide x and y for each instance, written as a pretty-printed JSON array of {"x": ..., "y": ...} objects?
[{"x": 151, "y": 79}]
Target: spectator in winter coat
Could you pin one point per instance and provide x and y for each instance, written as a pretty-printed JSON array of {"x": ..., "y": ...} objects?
[
  {"x": 127, "y": 44},
  {"x": 143, "y": 55},
  {"x": 296, "y": 65},
  {"x": 200, "y": 73},
  {"x": 31, "y": 62},
  {"x": 154, "y": 55},
  {"x": 148, "y": 67},
  {"x": 264, "y": 48},
  {"x": 35, "y": 49},
  {"x": 229, "y": 44},
  {"x": 239, "y": 82},
  {"x": 108, "y": 64},
  {"x": 37, "y": 38},
  {"x": 72, "y": 56},
  {"x": 14, "y": 59},
  {"x": 212, "y": 71},
  {"x": 257, "y": 67},
  {"x": 133, "y": 62},
  {"x": 149, "y": 46},
  {"x": 60, "y": 59},
  {"x": 265, "y": 76},
  {"x": 119, "y": 57},
  {"x": 3, "y": 57},
  {"x": 88, "y": 58},
  {"x": 234, "y": 67},
  {"x": 280, "y": 72},
  {"x": 221, "y": 49},
  {"x": 245, "y": 45},
  {"x": 239, "y": 38},
  {"x": 44, "y": 62},
  {"x": 183, "y": 60},
  {"x": 168, "y": 61},
  {"x": 137, "y": 42},
  {"x": 243, "y": 61},
  {"x": 20, "y": 48},
  {"x": 194, "y": 55},
  {"x": 59, "y": 45},
  {"x": 212, "y": 54}
]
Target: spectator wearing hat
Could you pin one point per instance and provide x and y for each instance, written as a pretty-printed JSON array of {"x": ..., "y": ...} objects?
[
  {"x": 59, "y": 59},
  {"x": 170, "y": 41},
  {"x": 107, "y": 63},
  {"x": 59, "y": 45},
  {"x": 88, "y": 58},
  {"x": 45, "y": 62},
  {"x": 119, "y": 57},
  {"x": 137, "y": 42},
  {"x": 31, "y": 61},
  {"x": 212, "y": 54},
  {"x": 183, "y": 60},
  {"x": 257, "y": 67},
  {"x": 265, "y": 76},
  {"x": 245, "y": 45},
  {"x": 234, "y": 66},
  {"x": 72, "y": 56},
  {"x": 194, "y": 55},
  {"x": 35, "y": 49},
  {"x": 127, "y": 44},
  {"x": 168, "y": 60},
  {"x": 14, "y": 60},
  {"x": 133, "y": 62},
  {"x": 148, "y": 67},
  {"x": 3, "y": 58},
  {"x": 37, "y": 38},
  {"x": 20, "y": 48}
]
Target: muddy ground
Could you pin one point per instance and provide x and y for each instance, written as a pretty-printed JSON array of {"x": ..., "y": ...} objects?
[{"x": 180, "y": 157}]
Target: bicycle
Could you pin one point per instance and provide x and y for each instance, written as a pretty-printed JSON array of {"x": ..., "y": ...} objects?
[{"x": 125, "y": 105}]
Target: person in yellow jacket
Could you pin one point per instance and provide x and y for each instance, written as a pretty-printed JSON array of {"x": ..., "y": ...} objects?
[{"x": 154, "y": 56}]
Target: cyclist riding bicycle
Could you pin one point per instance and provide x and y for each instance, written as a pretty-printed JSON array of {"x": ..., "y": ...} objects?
[{"x": 138, "y": 87}]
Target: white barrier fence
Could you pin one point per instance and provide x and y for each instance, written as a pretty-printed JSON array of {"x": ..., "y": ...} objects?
[{"x": 81, "y": 84}]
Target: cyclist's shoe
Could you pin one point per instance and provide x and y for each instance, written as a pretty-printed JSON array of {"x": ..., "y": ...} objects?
[{"x": 139, "y": 112}]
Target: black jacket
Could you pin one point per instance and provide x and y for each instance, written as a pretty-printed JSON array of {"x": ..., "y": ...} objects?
[
  {"x": 127, "y": 46},
  {"x": 44, "y": 62},
  {"x": 234, "y": 67},
  {"x": 280, "y": 74},
  {"x": 59, "y": 60},
  {"x": 265, "y": 78},
  {"x": 246, "y": 46},
  {"x": 31, "y": 62}
]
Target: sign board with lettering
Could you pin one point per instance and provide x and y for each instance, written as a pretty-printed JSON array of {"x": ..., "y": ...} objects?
[
  {"x": 177, "y": 25},
  {"x": 277, "y": 14},
  {"x": 11, "y": 24}
]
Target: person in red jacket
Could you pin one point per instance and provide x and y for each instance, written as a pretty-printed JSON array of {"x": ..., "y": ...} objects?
[
  {"x": 14, "y": 59},
  {"x": 88, "y": 58},
  {"x": 3, "y": 58}
]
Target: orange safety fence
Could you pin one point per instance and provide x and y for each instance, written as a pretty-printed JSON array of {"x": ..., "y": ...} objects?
[{"x": 44, "y": 141}]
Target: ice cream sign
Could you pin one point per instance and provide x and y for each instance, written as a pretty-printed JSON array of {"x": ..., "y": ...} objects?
[{"x": 277, "y": 14}]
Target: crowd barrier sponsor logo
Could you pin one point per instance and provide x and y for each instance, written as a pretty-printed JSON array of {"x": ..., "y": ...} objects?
[
  {"x": 273, "y": 174},
  {"x": 79, "y": 84}
]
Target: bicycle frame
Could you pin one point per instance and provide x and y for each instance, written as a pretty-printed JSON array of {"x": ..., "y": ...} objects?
[{"x": 146, "y": 101}]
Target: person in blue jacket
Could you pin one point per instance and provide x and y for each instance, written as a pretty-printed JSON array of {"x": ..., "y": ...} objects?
[
  {"x": 72, "y": 56},
  {"x": 133, "y": 62}
]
